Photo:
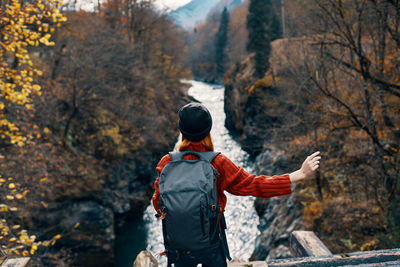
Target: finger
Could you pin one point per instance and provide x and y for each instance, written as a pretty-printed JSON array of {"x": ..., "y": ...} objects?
[
  {"x": 314, "y": 154},
  {"x": 315, "y": 159},
  {"x": 315, "y": 167}
]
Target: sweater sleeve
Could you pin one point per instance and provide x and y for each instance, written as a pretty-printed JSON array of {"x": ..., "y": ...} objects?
[
  {"x": 156, "y": 195},
  {"x": 237, "y": 181}
]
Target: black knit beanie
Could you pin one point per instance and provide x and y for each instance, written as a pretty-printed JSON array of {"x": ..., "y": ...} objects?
[{"x": 195, "y": 121}]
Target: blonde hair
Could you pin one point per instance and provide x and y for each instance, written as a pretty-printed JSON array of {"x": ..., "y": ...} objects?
[{"x": 206, "y": 141}]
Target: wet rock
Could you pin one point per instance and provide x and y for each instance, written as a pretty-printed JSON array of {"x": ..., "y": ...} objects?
[
  {"x": 250, "y": 107},
  {"x": 86, "y": 228},
  {"x": 145, "y": 259},
  {"x": 279, "y": 216},
  {"x": 236, "y": 95},
  {"x": 271, "y": 161},
  {"x": 281, "y": 252},
  {"x": 277, "y": 221}
]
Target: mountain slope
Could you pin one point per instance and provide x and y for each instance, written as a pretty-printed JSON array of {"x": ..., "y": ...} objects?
[{"x": 196, "y": 11}]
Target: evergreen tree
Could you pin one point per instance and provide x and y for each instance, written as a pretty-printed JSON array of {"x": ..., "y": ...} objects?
[
  {"x": 221, "y": 42},
  {"x": 263, "y": 26}
]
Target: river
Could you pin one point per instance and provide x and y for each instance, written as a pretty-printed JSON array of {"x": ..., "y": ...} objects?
[{"x": 242, "y": 219}]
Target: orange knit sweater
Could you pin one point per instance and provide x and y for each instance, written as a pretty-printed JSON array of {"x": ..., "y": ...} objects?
[{"x": 233, "y": 179}]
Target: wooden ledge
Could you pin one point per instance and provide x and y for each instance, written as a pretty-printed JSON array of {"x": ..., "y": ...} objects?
[
  {"x": 17, "y": 262},
  {"x": 307, "y": 244}
]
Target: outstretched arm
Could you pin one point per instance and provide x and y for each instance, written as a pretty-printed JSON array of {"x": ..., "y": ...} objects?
[
  {"x": 307, "y": 168},
  {"x": 235, "y": 180}
]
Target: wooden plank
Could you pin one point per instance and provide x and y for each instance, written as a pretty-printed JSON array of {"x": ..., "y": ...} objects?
[
  {"x": 17, "y": 262},
  {"x": 368, "y": 258},
  {"x": 307, "y": 244}
]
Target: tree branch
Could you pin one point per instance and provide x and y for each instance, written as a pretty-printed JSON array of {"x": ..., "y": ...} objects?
[
  {"x": 354, "y": 117},
  {"x": 367, "y": 75}
]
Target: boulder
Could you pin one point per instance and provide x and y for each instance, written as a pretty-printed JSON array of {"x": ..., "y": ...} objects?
[{"x": 145, "y": 259}]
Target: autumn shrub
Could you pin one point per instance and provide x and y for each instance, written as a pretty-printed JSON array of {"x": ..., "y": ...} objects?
[
  {"x": 345, "y": 103},
  {"x": 24, "y": 26},
  {"x": 14, "y": 239},
  {"x": 344, "y": 203},
  {"x": 390, "y": 238},
  {"x": 344, "y": 225},
  {"x": 108, "y": 98}
]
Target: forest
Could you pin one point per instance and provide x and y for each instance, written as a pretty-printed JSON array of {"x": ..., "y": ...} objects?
[
  {"x": 83, "y": 96},
  {"x": 89, "y": 100}
]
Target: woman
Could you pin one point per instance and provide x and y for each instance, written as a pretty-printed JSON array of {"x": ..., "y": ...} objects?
[{"x": 195, "y": 124}]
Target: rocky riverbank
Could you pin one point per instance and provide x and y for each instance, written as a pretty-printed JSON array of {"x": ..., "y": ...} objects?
[
  {"x": 253, "y": 111},
  {"x": 279, "y": 216}
]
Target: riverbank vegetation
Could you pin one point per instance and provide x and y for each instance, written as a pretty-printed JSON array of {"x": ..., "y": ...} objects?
[{"x": 82, "y": 151}]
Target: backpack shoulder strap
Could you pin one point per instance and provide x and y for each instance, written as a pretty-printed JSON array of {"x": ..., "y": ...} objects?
[
  {"x": 175, "y": 156},
  {"x": 209, "y": 156},
  {"x": 206, "y": 156}
]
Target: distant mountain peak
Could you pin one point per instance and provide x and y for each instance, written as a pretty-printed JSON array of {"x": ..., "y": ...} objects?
[{"x": 196, "y": 11}]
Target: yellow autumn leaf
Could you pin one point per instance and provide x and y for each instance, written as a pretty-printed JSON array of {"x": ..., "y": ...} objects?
[
  {"x": 28, "y": 106},
  {"x": 43, "y": 179},
  {"x": 3, "y": 208},
  {"x": 57, "y": 237}
]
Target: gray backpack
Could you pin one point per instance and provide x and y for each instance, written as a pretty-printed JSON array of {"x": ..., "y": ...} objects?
[{"x": 188, "y": 197}]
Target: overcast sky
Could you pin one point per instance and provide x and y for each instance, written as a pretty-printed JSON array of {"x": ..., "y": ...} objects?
[
  {"x": 160, "y": 4},
  {"x": 170, "y": 4}
]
